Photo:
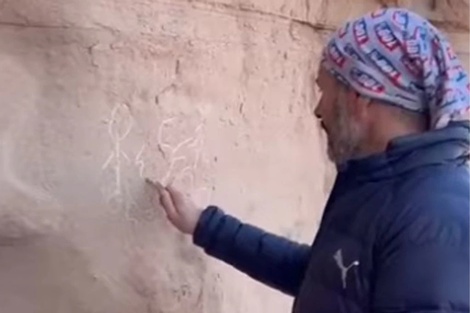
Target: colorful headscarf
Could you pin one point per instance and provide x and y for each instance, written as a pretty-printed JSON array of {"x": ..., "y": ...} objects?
[{"x": 397, "y": 56}]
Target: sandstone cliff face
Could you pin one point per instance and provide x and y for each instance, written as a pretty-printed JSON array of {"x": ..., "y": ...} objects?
[{"x": 97, "y": 95}]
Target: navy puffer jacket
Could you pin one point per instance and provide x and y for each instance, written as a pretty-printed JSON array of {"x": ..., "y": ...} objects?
[{"x": 394, "y": 235}]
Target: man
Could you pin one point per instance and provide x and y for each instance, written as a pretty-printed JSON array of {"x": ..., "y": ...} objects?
[{"x": 394, "y": 236}]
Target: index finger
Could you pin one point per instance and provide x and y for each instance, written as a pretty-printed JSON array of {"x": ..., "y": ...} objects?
[
  {"x": 165, "y": 198},
  {"x": 157, "y": 185}
]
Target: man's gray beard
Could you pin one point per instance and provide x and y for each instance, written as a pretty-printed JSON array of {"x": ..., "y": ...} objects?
[{"x": 347, "y": 138}]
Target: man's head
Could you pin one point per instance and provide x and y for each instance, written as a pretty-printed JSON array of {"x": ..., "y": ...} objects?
[
  {"x": 345, "y": 129},
  {"x": 387, "y": 74},
  {"x": 356, "y": 125}
]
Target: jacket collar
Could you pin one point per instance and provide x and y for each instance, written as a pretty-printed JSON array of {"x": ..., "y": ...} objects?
[{"x": 403, "y": 154}]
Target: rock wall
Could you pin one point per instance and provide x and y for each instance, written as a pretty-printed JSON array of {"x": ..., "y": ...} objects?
[{"x": 96, "y": 95}]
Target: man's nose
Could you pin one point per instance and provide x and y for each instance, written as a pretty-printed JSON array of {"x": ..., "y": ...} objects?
[{"x": 317, "y": 113}]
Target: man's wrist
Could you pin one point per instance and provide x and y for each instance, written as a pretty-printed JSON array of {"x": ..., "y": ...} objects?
[{"x": 204, "y": 226}]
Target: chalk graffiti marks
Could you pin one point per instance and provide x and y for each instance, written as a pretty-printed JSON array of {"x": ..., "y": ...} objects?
[
  {"x": 118, "y": 129},
  {"x": 139, "y": 162},
  {"x": 162, "y": 145},
  {"x": 182, "y": 157},
  {"x": 176, "y": 155}
]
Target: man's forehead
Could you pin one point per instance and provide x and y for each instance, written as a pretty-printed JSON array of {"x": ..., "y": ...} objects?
[
  {"x": 320, "y": 75},
  {"x": 314, "y": 78}
]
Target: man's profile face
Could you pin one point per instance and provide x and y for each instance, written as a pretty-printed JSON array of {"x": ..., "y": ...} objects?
[{"x": 344, "y": 132}]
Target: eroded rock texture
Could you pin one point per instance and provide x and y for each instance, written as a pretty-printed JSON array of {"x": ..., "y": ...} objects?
[{"x": 96, "y": 95}]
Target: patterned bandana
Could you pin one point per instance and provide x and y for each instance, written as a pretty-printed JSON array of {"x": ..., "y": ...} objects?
[{"x": 397, "y": 56}]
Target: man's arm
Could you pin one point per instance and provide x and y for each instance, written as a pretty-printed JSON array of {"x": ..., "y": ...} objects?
[
  {"x": 270, "y": 259},
  {"x": 423, "y": 261}
]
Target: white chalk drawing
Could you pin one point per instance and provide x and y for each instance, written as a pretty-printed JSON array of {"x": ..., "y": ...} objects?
[
  {"x": 139, "y": 161},
  {"x": 167, "y": 178},
  {"x": 173, "y": 154},
  {"x": 161, "y": 145},
  {"x": 183, "y": 157},
  {"x": 118, "y": 130}
]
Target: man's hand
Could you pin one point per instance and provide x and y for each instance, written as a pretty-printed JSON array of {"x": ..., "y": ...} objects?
[{"x": 180, "y": 210}]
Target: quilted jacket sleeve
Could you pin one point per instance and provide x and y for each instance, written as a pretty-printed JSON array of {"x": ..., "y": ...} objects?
[
  {"x": 272, "y": 260},
  {"x": 423, "y": 261}
]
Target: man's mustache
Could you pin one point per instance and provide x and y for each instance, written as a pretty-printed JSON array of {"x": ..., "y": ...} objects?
[{"x": 323, "y": 126}]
